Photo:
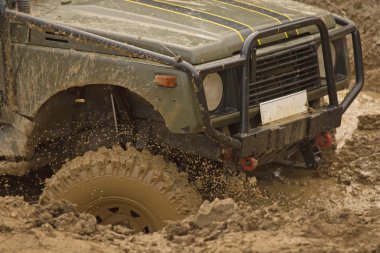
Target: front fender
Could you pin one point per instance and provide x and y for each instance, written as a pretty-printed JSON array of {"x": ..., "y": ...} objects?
[{"x": 42, "y": 72}]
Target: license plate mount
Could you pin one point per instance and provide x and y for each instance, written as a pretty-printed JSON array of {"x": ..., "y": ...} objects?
[{"x": 284, "y": 107}]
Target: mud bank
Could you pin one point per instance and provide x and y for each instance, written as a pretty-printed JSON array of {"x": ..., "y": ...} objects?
[{"x": 365, "y": 14}]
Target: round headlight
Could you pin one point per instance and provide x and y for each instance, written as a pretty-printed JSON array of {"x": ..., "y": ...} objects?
[
  {"x": 322, "y": 63},
  {"x": 213, "y": 86}
]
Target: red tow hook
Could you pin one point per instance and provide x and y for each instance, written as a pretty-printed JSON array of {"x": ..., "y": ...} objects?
[
  {"x": 249, "y": 163},
  {"x": 324, "y": 140}
]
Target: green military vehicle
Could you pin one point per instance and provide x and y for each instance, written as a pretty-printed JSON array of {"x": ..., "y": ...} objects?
[{"x": 116, "y": 96}]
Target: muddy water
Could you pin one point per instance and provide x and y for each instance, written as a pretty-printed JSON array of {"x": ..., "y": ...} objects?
[
  {"x": 297, "y": 187},
  {"x": 367, "y": 102},
  {"x": 294, "y": 188}
]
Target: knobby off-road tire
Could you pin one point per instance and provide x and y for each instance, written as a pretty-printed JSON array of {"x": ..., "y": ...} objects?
[{"x": 130, "y": 188}]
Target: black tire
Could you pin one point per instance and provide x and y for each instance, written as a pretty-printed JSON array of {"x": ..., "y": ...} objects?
[{"x": 131, "y": 188}]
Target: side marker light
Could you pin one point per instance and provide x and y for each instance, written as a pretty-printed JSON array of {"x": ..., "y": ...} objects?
[{"x": 165, "y": 81}]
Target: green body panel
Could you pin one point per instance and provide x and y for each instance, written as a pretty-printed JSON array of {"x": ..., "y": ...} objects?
[
  {"x": 199, "y": 31},
  {"x": 44, "y": 72}
]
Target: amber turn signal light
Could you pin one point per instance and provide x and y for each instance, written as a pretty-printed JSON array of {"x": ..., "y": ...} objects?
[{"x": 165, "y": 81}]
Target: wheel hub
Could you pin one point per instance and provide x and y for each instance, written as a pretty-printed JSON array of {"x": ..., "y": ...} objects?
[{"x": 124, "y": 212}]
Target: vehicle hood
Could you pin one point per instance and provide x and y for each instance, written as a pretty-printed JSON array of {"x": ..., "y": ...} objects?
[{"x": 199, "y": 31}]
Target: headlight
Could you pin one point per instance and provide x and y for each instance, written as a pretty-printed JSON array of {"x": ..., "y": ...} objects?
[
  {"x": 213, "y": 86},
  {"x": 321, "y": 62}
]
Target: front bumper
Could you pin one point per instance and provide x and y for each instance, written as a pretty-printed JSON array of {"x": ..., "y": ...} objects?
[{"x": 280, "y": 136}]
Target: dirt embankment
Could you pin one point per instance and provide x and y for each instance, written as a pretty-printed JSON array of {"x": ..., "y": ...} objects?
[{"x": 366, "y": 15}]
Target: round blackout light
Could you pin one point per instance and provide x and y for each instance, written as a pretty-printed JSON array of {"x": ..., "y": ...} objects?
[
  {"x": 213, "y": 86},
  {"x": 321, "y": 62}
]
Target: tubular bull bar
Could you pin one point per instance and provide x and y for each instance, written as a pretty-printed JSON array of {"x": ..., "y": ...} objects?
[
  {"x": 244, "y": 141},
  {"x": 275, "y": 137}
]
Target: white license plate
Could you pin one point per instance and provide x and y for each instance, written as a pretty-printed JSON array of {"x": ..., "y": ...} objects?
[{"x": 284, "y": 107}]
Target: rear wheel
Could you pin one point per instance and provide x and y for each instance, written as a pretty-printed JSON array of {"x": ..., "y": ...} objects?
[{"x": 131, "y": 188}]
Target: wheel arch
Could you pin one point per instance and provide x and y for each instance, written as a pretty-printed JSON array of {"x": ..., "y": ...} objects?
[{"x": 82, "y": 107}]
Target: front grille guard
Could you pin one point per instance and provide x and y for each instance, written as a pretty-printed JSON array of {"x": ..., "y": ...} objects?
[{"x": 248, "y": 56}]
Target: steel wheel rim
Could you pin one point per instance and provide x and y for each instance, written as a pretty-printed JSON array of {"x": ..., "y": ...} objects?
[{"x": 124, "y": 212}]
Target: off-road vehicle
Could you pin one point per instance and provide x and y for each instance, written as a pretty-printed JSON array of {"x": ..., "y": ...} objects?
[{"x": 116, "y": 96}]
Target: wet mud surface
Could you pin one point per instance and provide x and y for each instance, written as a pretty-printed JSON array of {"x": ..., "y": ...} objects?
[
  {"x": 280, "y": 209},
  {"x": 334, "y": 209}
]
